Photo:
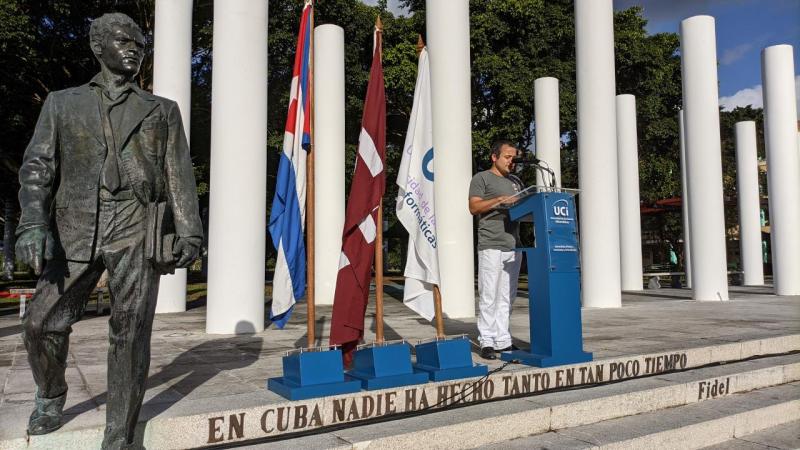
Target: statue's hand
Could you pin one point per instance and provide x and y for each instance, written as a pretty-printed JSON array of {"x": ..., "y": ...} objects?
[
  {"x": 186, "y": 249},
  {"x": 31, "y": 247}
]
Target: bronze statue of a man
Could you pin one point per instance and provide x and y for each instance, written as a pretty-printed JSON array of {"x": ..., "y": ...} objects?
[{"x": 106, "y": 176}]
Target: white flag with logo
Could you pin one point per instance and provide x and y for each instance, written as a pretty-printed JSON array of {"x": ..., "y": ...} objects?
[{"x": 415, "y": 199}]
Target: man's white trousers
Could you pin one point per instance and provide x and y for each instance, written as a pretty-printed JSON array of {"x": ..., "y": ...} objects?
[{"x": 497, "y": 287}]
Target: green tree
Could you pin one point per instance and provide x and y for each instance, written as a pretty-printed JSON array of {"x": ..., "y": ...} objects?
[
  {"x": 44, "y": 47},
  {"x": 728, "y": 120},
  {"x": 516, "y": 41},
  {"x": 648, "y": 66}
]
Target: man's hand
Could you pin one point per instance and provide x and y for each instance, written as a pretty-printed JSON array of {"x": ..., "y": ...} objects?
[
  {"x": 478, "y": 205},
  {"x": 504, "y": 200},
  {"x": 31, "y": 247},
  {"x": 186, "y": 249}
]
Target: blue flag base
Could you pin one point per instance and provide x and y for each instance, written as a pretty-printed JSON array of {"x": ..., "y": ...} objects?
[
  {"x": 448, "y": 359},
  {"x": 311, "y": 374},
  {"x": 385, "y": 366},
  {"x": 287, "y": 389},
  {"x": 538, "y": 360}
]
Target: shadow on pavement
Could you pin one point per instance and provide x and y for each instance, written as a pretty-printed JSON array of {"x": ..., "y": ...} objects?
[
  {"x": 193, "y": 367},
  {"x": 661, "y": 294},
  {"x": 10, "y": 331},
  {"x": 319, "y": 326}
]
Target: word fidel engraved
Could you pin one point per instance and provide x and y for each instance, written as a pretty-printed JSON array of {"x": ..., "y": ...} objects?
[
  {"x": 295, "y": 417},
  {"x": 106, "y": 184},
  {"x": 717, "y": 388}
]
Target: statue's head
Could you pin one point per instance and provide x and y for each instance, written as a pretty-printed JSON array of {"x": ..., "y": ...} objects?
[{"x": 118, "y": 43}]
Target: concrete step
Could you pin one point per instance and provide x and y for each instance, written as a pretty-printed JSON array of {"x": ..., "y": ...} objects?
[
  {"x": 515, "y": 412},
  {"x": 783, "y": 437},
  {"x": 512, "y": 422},
  {"x": 720, "y": 423}
]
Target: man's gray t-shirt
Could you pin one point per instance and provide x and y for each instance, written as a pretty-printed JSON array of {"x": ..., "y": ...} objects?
[{"x": 495, "y": 228}]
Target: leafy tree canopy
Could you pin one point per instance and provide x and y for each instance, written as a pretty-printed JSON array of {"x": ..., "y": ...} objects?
[{"x": 44, "y": 47}]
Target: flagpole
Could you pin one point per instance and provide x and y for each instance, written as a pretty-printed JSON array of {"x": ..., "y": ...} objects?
[
  {"x": 311, "y": 320},
  {"x": 379, "y": 276},
  {"x": 379, "y": 239},
  {"x": 437, "y": 307}
]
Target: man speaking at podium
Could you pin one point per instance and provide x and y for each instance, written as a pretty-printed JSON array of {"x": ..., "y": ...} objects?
[{"x": 498, "y": 236}]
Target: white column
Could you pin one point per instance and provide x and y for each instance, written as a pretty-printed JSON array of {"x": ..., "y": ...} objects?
[
  {"x": 548, "y": 131},
  {"x": 783, "y": 166},
  {"x": 448, "y": 47},
  {"x": 238, "y": 196},
  {"x": 703, "y": 158},
  {"x": 749, "y": 205},
  {"x": 328, "y": 158},
  {"x": 597, "y": 154},
  {"x": 687, "y": 247},
  {"x": 630, "y": 222},
  {"x": 172, "y": 78}
]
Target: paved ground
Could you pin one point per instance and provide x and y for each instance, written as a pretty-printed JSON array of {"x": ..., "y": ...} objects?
[{"x": 191, "y": 371}]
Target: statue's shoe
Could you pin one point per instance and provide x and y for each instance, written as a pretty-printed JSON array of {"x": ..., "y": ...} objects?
[
  {"x": 43, "y": 424},
  {"x": 46, "y": 417}
]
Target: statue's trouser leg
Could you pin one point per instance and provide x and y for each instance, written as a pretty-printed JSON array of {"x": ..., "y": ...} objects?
[
  {"x": 133, "y": 285},
  {"x": 61, "y": 296}
]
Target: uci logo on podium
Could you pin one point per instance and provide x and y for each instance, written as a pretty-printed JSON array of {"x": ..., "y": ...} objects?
[{"x": 561, "y": 208}]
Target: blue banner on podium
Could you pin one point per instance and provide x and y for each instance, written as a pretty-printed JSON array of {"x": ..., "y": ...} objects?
[{"x": 554, "y": 283}]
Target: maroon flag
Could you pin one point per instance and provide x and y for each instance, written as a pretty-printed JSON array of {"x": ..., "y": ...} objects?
[{"x": 360, "y": 224}]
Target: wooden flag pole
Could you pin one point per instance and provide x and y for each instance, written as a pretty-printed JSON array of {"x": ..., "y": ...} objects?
[
  {"x": 311, "y": 320},
  {"x": 437, "y": 307},
  {"x": 379, "y": 239},
  {"x": 379, "y": 276}
]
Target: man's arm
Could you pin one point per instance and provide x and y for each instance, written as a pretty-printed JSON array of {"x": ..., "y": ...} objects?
[
  {"x": 478, "y": 205},
  {"x": 182, "y": 191},
  {"x": 36, "y": 177},
  {"x": 38, "y": 170}
]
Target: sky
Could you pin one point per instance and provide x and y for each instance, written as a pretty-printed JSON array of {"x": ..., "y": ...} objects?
[{"x": 744, "y": 28}]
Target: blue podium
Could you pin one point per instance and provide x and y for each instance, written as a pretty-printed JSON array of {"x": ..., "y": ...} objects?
[{"x": 554, "y": 283}]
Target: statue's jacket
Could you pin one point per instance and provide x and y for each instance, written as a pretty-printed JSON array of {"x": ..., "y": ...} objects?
[{"x": 60, "y": 173}]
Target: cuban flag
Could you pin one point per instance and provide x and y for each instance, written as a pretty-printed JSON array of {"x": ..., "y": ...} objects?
[{"x": 287, "y": 218}]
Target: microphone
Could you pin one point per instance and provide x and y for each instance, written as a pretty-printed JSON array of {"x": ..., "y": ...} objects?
[
  {"x": 525, "y": 160},
  {"x": 542, "y": 166}
]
